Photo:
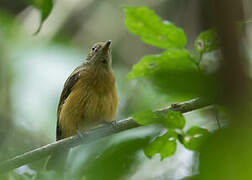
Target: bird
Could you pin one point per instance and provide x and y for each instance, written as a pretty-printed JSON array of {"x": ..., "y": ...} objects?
[{"x": 89, "y": 98}]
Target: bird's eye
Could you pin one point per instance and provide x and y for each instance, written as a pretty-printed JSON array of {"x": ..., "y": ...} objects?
[{"x": 94, "y": 48}]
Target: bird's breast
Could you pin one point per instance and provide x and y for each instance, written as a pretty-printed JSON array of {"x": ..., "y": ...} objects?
[{"x": 89, "y": 104}]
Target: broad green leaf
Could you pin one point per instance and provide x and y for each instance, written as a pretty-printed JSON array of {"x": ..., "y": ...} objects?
[
  {"x": 194, "y": 137},
  {"x": 164, "y": 145},
  {"x": 45, "y": 8},
  {"x": 173, "y": 119},
  {"x": 170, "y": 119},
  {"x": 172, "y": 60},
  {"x": 152, "y": 30},
  {"x": 207, "y": 41},
  {"x": 147, "y": 117},
  {"x": 175, "y": 73}
]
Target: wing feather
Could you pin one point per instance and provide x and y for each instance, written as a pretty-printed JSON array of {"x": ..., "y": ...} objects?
[{"x": 70, "y": 82}]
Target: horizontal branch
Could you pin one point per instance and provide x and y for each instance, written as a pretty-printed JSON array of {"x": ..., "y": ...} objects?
[{"x": 94, "y": 134}]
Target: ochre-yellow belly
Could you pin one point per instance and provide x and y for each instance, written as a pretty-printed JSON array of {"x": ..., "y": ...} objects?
[{"x": 86, "y": 107}]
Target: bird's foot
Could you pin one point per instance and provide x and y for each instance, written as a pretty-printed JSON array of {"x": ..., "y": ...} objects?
[{"x": 115, "y": 124}]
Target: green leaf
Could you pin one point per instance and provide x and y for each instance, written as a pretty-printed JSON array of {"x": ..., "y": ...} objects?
[
  {"x": 207, "y": 41},
  {"x": 173, "y": 119},
  {"x": 164, "y": 145},
  {"x": 194, "y": 137},
  {"x": 171, "y": 60},
  {"x": 152, "y": 30},
  {"x": 45, "y": 8},
  {"x": 175, "y": 73},
  {"x": 146, "y": 117},
  {"x": 170, "y": 119}
]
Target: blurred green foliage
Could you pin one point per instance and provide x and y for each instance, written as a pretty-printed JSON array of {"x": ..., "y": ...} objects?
[
  {"x": 112, "y": 157},
  {"x": 9, "y": 29},
  {"x": 228, "y": 154},
  {"x": 45, "y": 8},
  {"x": 207, "y": 41}
]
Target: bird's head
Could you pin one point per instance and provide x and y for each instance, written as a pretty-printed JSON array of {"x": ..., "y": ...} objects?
[{"x": 100, "y": 54}]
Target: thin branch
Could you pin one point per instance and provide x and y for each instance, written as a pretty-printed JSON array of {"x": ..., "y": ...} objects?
[{"x": 94, "y": 134}]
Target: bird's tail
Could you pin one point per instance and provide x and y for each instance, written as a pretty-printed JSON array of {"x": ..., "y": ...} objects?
[{"x": 57, "y": 161}]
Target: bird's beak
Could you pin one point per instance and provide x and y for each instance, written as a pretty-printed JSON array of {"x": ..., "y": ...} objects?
[{"x": 107, "y": 45}]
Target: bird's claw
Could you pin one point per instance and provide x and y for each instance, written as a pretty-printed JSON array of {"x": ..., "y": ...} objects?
[
  {"x": 81, "y": 134},
  {"x": 115, "y": 124}
]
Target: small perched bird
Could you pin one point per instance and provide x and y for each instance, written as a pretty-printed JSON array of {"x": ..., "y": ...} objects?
[{"x": 88, "y": 98}]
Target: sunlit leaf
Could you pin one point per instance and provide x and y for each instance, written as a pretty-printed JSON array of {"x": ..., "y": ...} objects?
[
  {"x": 173, "y": 119},
  {"x": 174, "y": 72},
  {"x": 152, "y": 30},
  {"x": 172, "y": 60},
  {"x": 194, "y": 137},
  {"x": 170, "y": 119},
  {"x": 146, "y": 117},
  {"x": 164, "y": 145},
  {"x": 207, "y": 41}
]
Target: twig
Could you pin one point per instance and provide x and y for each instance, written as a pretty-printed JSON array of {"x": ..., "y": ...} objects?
[{"x": 94, "y": 134}]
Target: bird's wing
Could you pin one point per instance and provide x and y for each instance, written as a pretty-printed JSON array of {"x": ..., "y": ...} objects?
[{"x": 70, "y": 82}]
